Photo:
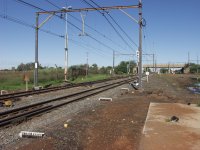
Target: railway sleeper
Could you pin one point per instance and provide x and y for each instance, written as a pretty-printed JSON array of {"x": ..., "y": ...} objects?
[
  {"x": 3, "y": 116},
  {"x": 19, "y": 120},
  {"x": 23, "y": 117}
]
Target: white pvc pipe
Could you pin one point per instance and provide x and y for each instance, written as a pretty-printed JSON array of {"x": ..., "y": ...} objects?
[{"x": 30, "y": 134}]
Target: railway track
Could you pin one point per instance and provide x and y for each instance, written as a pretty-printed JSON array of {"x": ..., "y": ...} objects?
[
  {"x": 17, "y": 95},
  {"x": 24, "y": 113}
]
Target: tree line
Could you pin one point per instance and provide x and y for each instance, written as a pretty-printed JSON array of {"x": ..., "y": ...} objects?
[{"x": 80, "y": 70}]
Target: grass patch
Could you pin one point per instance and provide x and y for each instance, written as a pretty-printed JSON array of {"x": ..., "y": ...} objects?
[
  {"x": 54, "y": 82},
  {"x": 167, "y": 120},
  {"x": 91, "y": 78},
  {"x": 14, "y": 80}
]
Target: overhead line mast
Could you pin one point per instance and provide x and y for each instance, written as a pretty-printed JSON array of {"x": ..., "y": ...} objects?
[
  {"x": 139, "y": 6},
  {"x": 88, "y": 9},
  {"x": 140, "y": 45},
  {"x": 109, "y": 22},
  {"x": 115, "y": 23},
  {"x": 103, "y": 35}
]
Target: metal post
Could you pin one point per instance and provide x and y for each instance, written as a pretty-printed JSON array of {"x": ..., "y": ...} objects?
[
  {"x": 113, "y": 62},
  {"x": 168, "y": 67},
  {"x": 154, "y": 64},
  {"x": 36, "y": 51},
  {"x": 86, "y": 69},
  {"x": 26, "y": 85},
  {"x": 66, "y": 48},
  {"x": 197, "y": 64},
  {"x": 140, "y": 45},
  {"x": 129, "y": 67}
]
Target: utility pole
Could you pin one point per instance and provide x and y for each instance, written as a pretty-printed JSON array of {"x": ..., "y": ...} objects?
[
  {"x": 169, "y": 67},
  {"x": 36, "y": 51},
  {"x": 154, "y": 68},
  {"x": 69, "y": 9},
  {"x": 37, "y": 27},
  {"x": 140, "y": 45},
  {"x": 128, "y": 67},
  {"x": 197, "y": 64},
  {"x": 113, "y": 62},
  {"x": 66, "y": 47},
  {"x": 86, "y": 69}
]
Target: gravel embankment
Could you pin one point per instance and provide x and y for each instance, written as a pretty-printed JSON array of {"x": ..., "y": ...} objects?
[
  {"x": 10, "y": 135},
  {"x": 46, "y": 96}
]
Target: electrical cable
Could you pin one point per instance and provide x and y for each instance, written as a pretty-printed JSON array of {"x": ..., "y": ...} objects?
[
  {"x": 109, "y": 23},
  {"x": 58, "y": 8},
  {"x": 100, "y": 50},
  {"x": 15, "y": 20},
  {"x": 83, "y": 45},
  {"x": 52, "y": 4},
  {"x": 18, "y": 21},
  {"x": 103, "y": 35},
  {"x": 116, "y": 23},
  {"x": 38, "y": 8}
]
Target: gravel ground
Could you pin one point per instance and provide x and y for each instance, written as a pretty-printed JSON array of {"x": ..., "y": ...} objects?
[
  {"x": 45, "y": 96},
  {"x": 10, "y": 135},
  {"x": 98, "y": 125}
]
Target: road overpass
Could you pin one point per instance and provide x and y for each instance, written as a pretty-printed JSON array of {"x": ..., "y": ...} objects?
[{"x": 169, "y": 65}]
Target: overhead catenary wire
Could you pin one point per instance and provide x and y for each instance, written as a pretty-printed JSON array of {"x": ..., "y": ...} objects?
[
  {"x": 93, "y": 29},
  {"x": 38, "y": 8},
  {"x": 21, "y": 22},
  {"x": 79, "y": 20},
  {"x": 43, "y": 30},
  {"x": 83, "y": 45},
  {"x": 15, "y": 20},
  {"x": 109, "y": 24},
  {"x": 53, "y": 4},
  {"x": 116, "y": 24},
  {"x": 98, "y": 49}
]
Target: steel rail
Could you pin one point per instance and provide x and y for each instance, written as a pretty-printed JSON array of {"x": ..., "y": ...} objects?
[
  {"x": 46, "y": 90},
  {"x": 24, "y": 116},
  {"x": 52, "y": 100}
]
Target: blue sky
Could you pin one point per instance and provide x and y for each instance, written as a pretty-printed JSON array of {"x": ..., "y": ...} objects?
[{"x": 173, "y": 30}]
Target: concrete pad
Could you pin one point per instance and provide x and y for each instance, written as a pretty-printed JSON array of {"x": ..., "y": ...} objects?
[{"x": 161, "y": 134}]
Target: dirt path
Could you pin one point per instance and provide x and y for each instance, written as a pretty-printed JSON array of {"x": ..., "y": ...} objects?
[{"x": 161, "y": 133}]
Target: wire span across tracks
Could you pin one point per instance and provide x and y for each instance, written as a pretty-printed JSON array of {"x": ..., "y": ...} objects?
[{"x": 26, "y": 112}]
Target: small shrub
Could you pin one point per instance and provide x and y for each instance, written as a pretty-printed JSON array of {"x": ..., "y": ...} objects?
[
  {"x": 167, "y": 120},
  {"x": 198, "y": 104}
]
